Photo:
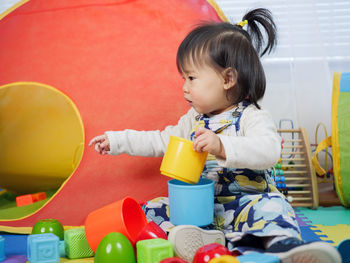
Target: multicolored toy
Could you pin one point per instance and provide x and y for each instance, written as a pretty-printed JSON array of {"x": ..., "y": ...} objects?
[
  {"x": 294, "y": 174},
  {"x": 340, "y": 139}
]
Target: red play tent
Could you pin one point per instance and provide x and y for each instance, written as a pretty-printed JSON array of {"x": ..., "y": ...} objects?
[{"x": 111, "y": 64}]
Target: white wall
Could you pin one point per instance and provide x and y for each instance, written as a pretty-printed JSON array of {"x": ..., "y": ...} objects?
[{"x": 314, "y": 41}]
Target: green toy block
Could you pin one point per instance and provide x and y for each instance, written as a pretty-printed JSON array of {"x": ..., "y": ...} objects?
[
  {"x": 76, "y": 245},
  {"x": 153, "y": 250}
]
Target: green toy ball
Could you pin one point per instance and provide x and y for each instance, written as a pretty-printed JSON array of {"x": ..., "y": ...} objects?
[
  {"x": 115, "y": 247},
  {"x": 48, "y": 226}
]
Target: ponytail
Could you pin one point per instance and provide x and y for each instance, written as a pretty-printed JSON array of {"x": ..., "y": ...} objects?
[{"x": 262, "y": 17}]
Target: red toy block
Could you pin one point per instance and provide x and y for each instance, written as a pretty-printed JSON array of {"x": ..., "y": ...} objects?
[
  {"x": 23, "y": 200},
  {"x": 28, "y": 199},
  {"x": 39, "y": 196}
]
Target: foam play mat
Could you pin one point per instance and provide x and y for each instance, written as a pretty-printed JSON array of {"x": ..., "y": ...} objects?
[
  {"x": 71, "y": 70},
  {"x": 328, "y": 224}
]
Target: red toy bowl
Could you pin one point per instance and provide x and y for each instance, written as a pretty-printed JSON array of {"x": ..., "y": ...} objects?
[
  {"x": 151, "y": 230},
  {"x": 210, "y": 251},
  {"x": 124, "y": 216}
]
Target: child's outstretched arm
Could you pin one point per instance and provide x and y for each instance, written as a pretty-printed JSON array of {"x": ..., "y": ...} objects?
[{"x": 142, "y": 143}]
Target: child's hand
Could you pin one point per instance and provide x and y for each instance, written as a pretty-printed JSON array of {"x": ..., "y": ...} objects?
[
  {"x": 101, "y": 144},
  {"x": 208, "y": 141}
]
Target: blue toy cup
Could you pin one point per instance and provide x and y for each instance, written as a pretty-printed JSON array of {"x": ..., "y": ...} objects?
[{"x": 191, "y": 204}]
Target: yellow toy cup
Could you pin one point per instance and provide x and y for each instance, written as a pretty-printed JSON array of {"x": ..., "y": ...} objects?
[{"x": 182, "y": 162}]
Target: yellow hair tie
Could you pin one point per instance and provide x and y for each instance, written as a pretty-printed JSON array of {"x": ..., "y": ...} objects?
[{"x": 242, "y": 23}]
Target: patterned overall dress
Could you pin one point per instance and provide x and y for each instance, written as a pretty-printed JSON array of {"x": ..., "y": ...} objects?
[{"x": 246, "y": 201}]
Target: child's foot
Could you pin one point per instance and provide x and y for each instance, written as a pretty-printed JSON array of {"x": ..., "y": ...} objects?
[
  {"x": 186, "y": 239},
  {"x": 293, "y": 250}
]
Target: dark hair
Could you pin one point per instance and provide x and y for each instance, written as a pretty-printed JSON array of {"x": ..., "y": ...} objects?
[{"x": 226, "y": 45}]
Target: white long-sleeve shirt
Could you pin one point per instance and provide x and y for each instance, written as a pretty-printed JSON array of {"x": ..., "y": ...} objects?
[{"x": 255, "y": 146}]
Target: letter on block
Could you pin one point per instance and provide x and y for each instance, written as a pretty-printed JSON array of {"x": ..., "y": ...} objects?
[
  {"x": 76, "y": 245},
  {"x": 43, "y": 248},
  {"x": 153, "y": 250}
]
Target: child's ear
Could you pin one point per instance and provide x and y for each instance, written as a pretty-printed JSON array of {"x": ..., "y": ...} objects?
[{"x": 230, "y": 78}]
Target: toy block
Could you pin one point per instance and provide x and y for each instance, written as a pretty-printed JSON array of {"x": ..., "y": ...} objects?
[
  {"x": 23, "y": 200},
  {"x": 2, "y": 248},
  {"x": 258, "y": 257},
  {"x": 43, "y": 248},
  {"x": 39, "y": 196},
  {"x": 153, "y": 250},
  {"x": 62, "y": 247},
  {"x": 28, "y": 199},
  {"x": 76, "y": 245}
]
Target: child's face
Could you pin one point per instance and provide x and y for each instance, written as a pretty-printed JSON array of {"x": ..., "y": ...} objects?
[{"x": 205, "y": 89}]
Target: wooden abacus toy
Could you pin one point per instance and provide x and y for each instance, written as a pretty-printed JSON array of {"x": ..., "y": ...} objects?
[{"x": 294, "y": 174}]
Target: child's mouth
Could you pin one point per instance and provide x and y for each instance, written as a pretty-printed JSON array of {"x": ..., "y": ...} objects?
[{"x": 189, "y": 102}]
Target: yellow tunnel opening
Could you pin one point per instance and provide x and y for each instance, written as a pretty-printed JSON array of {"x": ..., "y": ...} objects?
[{"x": 41, "y": 138}]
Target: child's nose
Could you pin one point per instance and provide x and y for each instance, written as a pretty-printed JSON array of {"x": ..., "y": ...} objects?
[{"x": 185, "y": 88}]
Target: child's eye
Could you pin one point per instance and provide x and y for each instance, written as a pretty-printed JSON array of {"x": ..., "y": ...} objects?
[{"x": 191, "y": 78}]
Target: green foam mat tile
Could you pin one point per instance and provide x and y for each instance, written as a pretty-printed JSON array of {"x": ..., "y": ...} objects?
[{"x": 328, "y": 216}]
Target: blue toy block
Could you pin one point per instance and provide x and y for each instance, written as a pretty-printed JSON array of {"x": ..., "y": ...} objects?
[
  {"x": 153, "y": 250},
  {"x": 258, "y": 258},
  {"x": 2, "y": 248},
  {"x": 62, "y": 249},
  {"x": 43, "y": 248}
]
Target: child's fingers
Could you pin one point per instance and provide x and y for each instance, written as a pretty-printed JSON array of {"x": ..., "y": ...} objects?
[
  {"x": 200, "y": 131},
  {"x": 96, "y": 139},
  {"x": 97, "y": 148},
  {"x": 92, "y": 141},
  {"x": 104, "y": 144},
  {"x": 199, "y": 144}
]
